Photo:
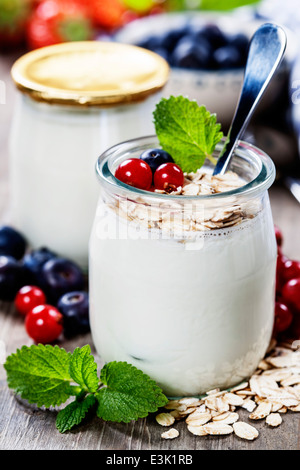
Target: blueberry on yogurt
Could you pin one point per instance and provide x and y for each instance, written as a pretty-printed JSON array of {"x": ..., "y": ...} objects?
[{"x": 155, "y": 158}]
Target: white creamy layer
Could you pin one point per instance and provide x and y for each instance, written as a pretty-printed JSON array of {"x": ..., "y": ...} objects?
[
  {"x": 54, "y": 189},
  {"x": 194, "y": 316}
]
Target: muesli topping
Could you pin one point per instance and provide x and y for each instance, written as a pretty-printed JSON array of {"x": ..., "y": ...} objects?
[{"x": 190, "y": 215}]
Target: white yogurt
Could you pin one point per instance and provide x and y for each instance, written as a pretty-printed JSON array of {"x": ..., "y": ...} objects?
[
  {"x": 193, "y": 319},
  {"x": 54, "y": 190}
]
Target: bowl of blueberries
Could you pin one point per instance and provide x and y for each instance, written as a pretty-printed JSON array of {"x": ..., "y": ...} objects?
[{"x": 207, "y": 54}]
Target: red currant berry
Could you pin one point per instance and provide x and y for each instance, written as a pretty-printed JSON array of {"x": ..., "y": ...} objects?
[
  {"x": 44, "y": 324},
  {"x": 281, "y": 260},
  {"x": 291, "y": 294},
  {"x": 29, "y": 297},
  {"x": 168, "y": 176},
  {"x": 278, "y": 234},
  {"x": 290, "y": 269},
  {"x": 283, "y": 317},
  {"x": 135, "y": 172}
]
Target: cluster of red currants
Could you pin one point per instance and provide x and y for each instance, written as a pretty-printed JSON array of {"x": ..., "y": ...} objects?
[
  {"x": 287, "y": 304},
  {"x": 154, "y": 169},
  {"x": 43, "y": 323}
]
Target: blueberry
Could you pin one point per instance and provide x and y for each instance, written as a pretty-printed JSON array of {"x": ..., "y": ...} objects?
[
  {"x": 213, "y": 34},
  {"x": 12, "y": 277},
  {"x": 59, "y": 276},
  {"x": 189, "y": 54},
  {"x": 227, "y": 57},
  {"x": 150, "y": 42},
  {"x": 170, "y": 38},
  {"x": 155, "y": 158},
  {"x": 240, "y": 41},
  {"x": 74, "y": 306},
  {"x": 12, "y": 242},
  {"x": 35, "y": 260}
]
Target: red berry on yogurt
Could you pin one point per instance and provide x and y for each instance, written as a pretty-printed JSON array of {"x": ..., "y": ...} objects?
[
  {"x": 168, "y": 176},
  {"x": 29, "y": 297},
  {"x": 135, "y": 172},
  {"x": 44, "y": 324}
]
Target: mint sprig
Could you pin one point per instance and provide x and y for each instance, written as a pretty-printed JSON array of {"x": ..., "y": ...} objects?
[
  {"x": 49, "y": 376},
  {"x": 186, "y": 131}
]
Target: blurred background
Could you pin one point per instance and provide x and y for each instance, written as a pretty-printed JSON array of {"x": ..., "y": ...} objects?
[{"x": 204, "y": 41}]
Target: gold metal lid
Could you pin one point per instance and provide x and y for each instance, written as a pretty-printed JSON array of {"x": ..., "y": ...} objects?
[{"x": 90, "y": 73}]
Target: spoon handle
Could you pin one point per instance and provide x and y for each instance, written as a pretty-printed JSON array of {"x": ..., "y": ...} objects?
[{"x": 266, "y": 50}]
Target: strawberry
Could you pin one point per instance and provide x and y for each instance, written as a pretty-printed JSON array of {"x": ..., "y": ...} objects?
[
  {"x": 107, "y": 14},
  {"x": 57, "y": 21}
]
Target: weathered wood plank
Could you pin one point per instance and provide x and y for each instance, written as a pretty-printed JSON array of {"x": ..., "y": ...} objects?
[{"x": 26, "y": 427}]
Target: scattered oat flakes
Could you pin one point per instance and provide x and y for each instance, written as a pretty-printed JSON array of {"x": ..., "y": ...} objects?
[
  {"x": 170, "y": 434},
  {"x": 273, "y": 389},
  {"x": 233, "y": 399},
  {"x": 165, "y": 419},
  {"x": 213, "y": 391},
  {"x": 197, "y": 430},
  {"x": 276, "y": 406},
  {"x": 249, "y": 405},
  {"x": 274, "y": 419},
  {"x": 283, "y": 409},
  {"x": 217, "y": 428},
  {"x": 239, "y": 387},
  {"x": 228, "y": 417},
  {"x": 189, "y": 401},
  {"x": 198, "y": 419},
  {"x": 291, "y": 380},
  {"x": 176, "y": 414},
  {"x": 295, "y": 408},
  {"x": 245, "y": 430},
  {"x": 264, "y": 409}
]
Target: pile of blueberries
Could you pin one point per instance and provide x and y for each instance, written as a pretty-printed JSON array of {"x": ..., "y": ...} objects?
[
  {"x": 32, "y": 277},
  {"x": 199, "y": 47}
]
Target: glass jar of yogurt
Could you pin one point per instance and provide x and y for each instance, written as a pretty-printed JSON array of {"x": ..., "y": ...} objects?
[
  {"x": 183, "y": 286},
  {"x": 74, "y": 99}
]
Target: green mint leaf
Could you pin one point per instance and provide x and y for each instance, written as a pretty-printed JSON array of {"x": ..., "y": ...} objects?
[
  {"x": 40, "y": 374},
  {"x": 128, "y": 395},
  {"x": 187, "y": 131},
  {"x": 83, "y": 369},
  {"x": 74, "y": 413},
  {"x": 225, "y": 4}
]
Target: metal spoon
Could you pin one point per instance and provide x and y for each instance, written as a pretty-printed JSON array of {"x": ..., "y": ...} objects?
[{"x": 266, "y": 50}]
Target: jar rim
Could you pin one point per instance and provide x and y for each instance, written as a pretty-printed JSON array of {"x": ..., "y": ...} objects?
[{"x": 261, "y": 182}]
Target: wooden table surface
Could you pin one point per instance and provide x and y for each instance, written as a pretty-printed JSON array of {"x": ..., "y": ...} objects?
[{"x": 24, "y": 427}]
